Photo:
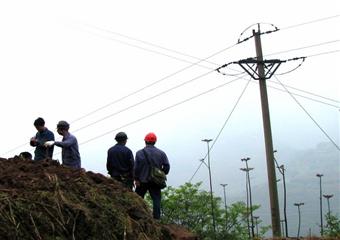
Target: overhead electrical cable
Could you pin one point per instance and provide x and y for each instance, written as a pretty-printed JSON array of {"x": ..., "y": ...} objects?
[
  {"x": 310, "y": 22},
  {"x": 299, "y": 95},
  {"x": 145, "y": 100},
  {"x": 307, "y": 92},
  {"x": 150, "y": 44},
  {"x": 310, "y": 116},
  {"x": 151, "y": 84},
  {"x": 221, "y": 130},
  {"x": 305, "y": 47},
  {"x": 136, "y": 91},
  {"x": 159, "y": 111},
  {"x": 324, "y": 53},
  {"x": 183, "y": 69}
]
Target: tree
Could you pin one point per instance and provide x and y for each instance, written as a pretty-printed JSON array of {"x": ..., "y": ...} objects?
[
  {"x": 332, "y": 228},
  {"x": 189, "y": 206}
]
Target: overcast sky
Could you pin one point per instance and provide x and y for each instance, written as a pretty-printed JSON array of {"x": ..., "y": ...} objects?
[{"x": 79, "y": 60}]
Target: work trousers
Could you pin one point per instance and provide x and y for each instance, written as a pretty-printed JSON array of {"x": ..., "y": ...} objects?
[
  {"x": 127, "y": 182},
  {"x": 155, "y": 193}
]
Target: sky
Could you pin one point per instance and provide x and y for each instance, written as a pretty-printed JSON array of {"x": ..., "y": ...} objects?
[{"x": 142, "y": 66}]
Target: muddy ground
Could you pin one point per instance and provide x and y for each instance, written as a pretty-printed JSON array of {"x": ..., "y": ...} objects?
[{"x": 44, "y": 200}]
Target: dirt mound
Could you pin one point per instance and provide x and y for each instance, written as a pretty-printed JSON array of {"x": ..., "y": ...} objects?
[{"x": 43, "y": 200}]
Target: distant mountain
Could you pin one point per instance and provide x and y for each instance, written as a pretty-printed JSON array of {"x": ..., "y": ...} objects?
[{"x": 303, "y": 186}]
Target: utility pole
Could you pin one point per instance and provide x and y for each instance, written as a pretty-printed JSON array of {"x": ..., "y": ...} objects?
[
  {"x": 250, "y": 196},
  {"x": 247, "y": 198},
  {"x": 282, "y": 226},
  {"x": 257, "y": 226},
  {"x": 211, "y": 190},
  {"x": 282, "y": 171},
  {"x": 259, "y": 74},
  {"x": 225, "y": 204},
  {"x": 273, "y": 195},
  {"x": 262, "y": 70},
  {"x": 329, "y": 208},
  {"x": 298, "y": 206},
  {"x": 321, "y": 217}
]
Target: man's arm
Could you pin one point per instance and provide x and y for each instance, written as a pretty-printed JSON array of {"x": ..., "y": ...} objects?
[
  {"x": 67, "y": 142},
  {"x": 165, "y": 164}
]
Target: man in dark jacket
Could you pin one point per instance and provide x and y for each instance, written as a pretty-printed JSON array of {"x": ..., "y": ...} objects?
[
  {"x": 43, "y": 135},
  {"x": 70, "y": 149},
  {"x": 120, "y": 161},
  {"x": 142, "y": 171}
]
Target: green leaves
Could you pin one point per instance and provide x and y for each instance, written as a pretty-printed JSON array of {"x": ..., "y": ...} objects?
[
  {"x": 332, "y": 228},
  {"x": 189, "y": 206}
]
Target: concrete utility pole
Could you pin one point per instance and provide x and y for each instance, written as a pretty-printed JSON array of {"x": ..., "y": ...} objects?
[
  {"x": 282, "y": 171},
  {"x": 247, "y": 169},
  {"x": 247, "y": 198},
  {"x": 211, "y": 190},
  {"x": 273, "y": 195},
  {"x": 225, "y": 204},
  {"x": 329, "y": 208},
  {"x": 321, "y": 217},
  {"x": 298, "y": 206},
  {"x": 257, "y": 225}
]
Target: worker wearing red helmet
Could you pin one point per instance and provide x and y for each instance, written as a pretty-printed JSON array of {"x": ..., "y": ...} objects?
[{"x": 142, "y": 171}]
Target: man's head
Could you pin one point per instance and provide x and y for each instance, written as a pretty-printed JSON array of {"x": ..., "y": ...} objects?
[
  {"x": 39, "y": 124},
  {"x": 150, "y": 139},
  {"x": 25, "y": 155},
  {"x": 121, "y": 137},
  {"x": 62, "y": 127}
]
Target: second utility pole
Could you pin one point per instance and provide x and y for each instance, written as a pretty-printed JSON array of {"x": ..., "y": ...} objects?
[{"x": 274, "y": 201}]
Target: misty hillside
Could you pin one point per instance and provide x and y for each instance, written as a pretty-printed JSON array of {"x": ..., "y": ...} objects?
[{"x": 303, "y": 186}]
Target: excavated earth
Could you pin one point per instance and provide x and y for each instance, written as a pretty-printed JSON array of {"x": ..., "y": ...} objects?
[{"x": 44, "y": 200}]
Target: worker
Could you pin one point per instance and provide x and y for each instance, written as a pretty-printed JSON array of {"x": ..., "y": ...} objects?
[
  {"x": 120, "y": 161},
  {"x": 25, "y": 156},
  {"x": 42, "y": 136},
  {"x": 70, "y": 150},
  {"x": 142, "y": 171}
]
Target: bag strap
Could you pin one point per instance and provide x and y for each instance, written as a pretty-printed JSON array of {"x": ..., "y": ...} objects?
[{"x": 147, "y": 158}]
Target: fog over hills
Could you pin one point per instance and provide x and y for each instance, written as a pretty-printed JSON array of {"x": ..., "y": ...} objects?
[{"x": 303, "y": 186}]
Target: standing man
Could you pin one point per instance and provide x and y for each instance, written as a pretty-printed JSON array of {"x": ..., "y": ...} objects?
[
  {"x": 70, "y": 150},
  {"x": 142, "y": 171},
  {"x": 42, "y": 136},
  {"x": 120, "y": 161}
]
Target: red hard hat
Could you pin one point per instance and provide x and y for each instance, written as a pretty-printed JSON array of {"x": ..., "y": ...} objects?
[{"x": 150, "y": 137}]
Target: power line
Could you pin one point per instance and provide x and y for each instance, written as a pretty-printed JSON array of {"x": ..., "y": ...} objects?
[
  {"x": 300, "y": 48},
  {"x": 324, "y": 53},
  {"x": 145, "y": 100},
  {"x": 223, "y": 126},
  {"x": 304, "y": 91},
  {"x": 299, "y": 95},
  {"x": 148, "y": 43},
  {"x": 310, "y": 22},
  {"x": 152, "y": 84},
  {"x": 160, "y": 111},
  {"x": 145, "y": 49},
  {"x": 310, "y": 116},
  {"x": 137, "y": 91},
  {"x": 179, "y": 71}
]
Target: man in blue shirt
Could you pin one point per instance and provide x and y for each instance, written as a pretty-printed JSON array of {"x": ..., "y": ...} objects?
[
  {"x": 42, "y": 136},
  {"x": 142, "y": 171},
  {"x": 70, "y": 150},
  {"x": 120, "y": 161}
]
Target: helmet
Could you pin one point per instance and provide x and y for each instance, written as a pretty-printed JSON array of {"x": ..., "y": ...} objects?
[
  {"x": 121, "y": 136},
  {"x": 63, "y": 125},
  {"x": 150, "y": 137}
]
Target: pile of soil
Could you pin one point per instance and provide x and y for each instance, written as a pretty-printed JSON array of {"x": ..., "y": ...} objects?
[{"x": 44, "y": 200}]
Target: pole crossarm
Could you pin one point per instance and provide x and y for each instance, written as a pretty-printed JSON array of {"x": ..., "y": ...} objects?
[{"x": 250, "y": 65}]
